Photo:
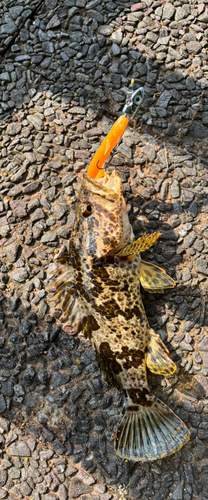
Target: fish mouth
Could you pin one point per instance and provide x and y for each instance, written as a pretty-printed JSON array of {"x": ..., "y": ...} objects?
[{"x": 109, "y": 186}]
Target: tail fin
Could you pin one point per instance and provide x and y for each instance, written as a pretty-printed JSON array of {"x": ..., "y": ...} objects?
[{"x": 149, "y": 433}]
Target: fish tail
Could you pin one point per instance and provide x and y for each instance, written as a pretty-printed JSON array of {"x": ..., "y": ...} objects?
[{"x": 149, "y": 432}]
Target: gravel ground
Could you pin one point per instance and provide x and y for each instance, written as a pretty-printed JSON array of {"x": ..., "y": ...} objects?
[{"x": 64, "y": 67}]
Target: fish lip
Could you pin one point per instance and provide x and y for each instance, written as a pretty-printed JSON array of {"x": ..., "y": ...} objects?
[{"x": 108, "y": 186}]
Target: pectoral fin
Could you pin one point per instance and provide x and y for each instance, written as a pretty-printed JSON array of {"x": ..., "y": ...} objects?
[
  {"x": 154, "y": 278},
  {"x": 157, "y": 358},
  {"x": 139, "y": 245}
]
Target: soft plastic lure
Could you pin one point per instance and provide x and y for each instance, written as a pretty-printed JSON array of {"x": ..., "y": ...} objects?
[{"x": 134, "y": 99}]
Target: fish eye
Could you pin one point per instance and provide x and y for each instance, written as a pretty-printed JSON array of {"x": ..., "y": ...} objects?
[{"x": 88, "y": 210}]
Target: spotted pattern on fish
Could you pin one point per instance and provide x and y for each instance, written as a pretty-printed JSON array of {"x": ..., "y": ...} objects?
[{"x": 99, "y": 291}]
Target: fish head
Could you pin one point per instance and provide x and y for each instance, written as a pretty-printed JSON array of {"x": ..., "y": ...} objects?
[{"x": 102, "y": 226}]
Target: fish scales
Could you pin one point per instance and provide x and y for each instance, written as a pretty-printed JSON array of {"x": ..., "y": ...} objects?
[{"x": 98, "y": 286}]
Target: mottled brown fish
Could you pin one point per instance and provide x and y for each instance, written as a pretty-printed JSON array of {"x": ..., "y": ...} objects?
[{"x": 99, "y": 290}]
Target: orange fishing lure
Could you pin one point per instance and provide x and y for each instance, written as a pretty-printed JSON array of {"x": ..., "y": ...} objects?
[{"x": 134, "y": 99}]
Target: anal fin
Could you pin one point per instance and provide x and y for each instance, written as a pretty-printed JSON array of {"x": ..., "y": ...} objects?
[
  {"x": 150, "y": 432},
  {"x": 154, "y": 278},
  {"x": 157, "y": 358}
]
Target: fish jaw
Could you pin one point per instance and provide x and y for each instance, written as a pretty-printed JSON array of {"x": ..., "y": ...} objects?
[{"x": 102, "y": 226}]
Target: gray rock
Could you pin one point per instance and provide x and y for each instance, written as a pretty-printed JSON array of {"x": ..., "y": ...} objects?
[
  {"x": 38, "y": 214},
  {"x": 14, "y": 473},
  {"x": 175, "y": 189},
  {"x": 51, "y": 4},
  {"x": 189, "y": 239},
  {"x": 198, "y": 131},
  {"x": 48, "y": 238},
  {"x": 60, "y": 379},
  {"x": 126, "y": 67},
  {"x": 193, "y": 47},
  {"x": 20, "y": 275},
  {"x": 48, "y": 47},
  {"x": 12, "y": 251},
  {"x": 190, "y": 83},
  {"x": 164, "y": 99},
  {"x": 8, "y": 29},
  {"x": 193, "y": 209},
  {"x": 3, "y": 477},
  {"x": 105, "y": 30},
  {"x": 17, "y": 96},
  {"x": 53, "y": 23},
  {"x": 168, "y": 11},
  {"x": 201, "y": 386},
  {"x": 177, "y": 493},
  {"x": 5, "y": 76},
  {"x": 2, "y": 404},
  {"x": 4, "y": 424},
  {"x": 115, "y": 49},
  {"x": 24, "y": 35},
  {"x": 77, "y": 488},
  {"x": 93, "y": 4},
  {"x": 93, "y": 50},
  {"x": 59, "y": 211},
  {"x": 180, "y": 14},
  {"x": 117, "y": 37},
  {"x": 58, "y": 447},
  {"x": 7, "y": 388},
  {"x": 35, "y": 121},
  {"x": 69, "y": 52},
  {"x": 171, "y": 129},
  {"x": 32, "y": 186},
  {"x": 204, "y": 17},
  {"x": 201, "y": 266},
  {"x": 205, "y": 117},
  {"x": 19, "y": 449},
  {"x": 203, "y": 345},
  {"x": 187, "y": 195},
  {"x": 13, "y": 128},
  {"x": 16, "y": 11},
  {"x": 25, "y": 489}
]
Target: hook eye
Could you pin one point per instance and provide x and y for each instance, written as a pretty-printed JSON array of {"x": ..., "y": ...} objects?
[{"x": 138, "y": 96}]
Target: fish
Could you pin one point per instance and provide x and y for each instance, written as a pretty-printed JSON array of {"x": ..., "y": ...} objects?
[{"x": 97, "y": 286}]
